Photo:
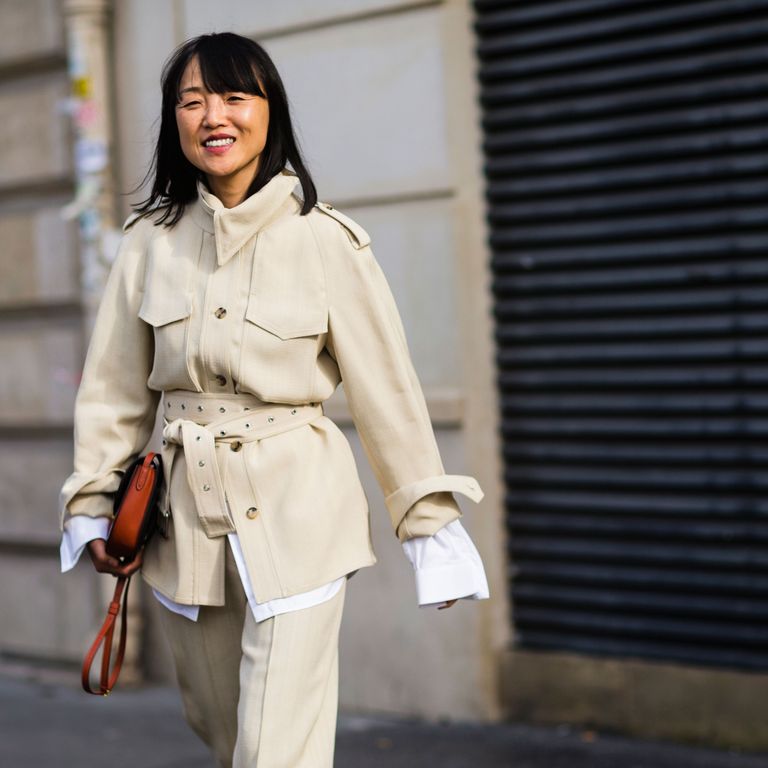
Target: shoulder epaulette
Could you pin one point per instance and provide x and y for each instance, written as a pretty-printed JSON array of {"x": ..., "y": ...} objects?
[{"x": 359, "y": 237}]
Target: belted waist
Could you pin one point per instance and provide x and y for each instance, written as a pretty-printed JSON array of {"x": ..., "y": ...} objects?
[{"x": 198, "y": 420}]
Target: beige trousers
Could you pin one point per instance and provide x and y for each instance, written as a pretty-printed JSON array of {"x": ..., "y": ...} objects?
[{"x": 260, "y": 695}]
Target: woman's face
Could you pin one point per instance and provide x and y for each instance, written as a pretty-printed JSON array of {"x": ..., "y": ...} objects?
[{"x": 222, "y": 134}]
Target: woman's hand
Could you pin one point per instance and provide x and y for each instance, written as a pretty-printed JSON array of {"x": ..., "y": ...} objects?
[
  {"x": 105, "y": 563},
  {"x": 447, "y": 604}
]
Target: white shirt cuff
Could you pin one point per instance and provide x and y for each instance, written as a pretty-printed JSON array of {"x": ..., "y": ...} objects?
[
  {"x": 447, "y": 566},
  {"x": 78, "y": 531}
]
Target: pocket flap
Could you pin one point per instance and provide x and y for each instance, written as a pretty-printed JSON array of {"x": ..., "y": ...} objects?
[
  {"x": 161, "y": 310},
  {"x": 286, "y": 320}
]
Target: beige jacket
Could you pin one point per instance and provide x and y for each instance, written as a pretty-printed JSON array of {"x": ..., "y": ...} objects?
[{"x": 256, "y": 309}]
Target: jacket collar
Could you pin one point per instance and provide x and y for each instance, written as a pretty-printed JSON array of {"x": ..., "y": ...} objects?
[{"x": 233, "y": 227}]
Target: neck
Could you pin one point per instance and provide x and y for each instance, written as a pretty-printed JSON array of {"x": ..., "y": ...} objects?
[{"x": 231, "y": 191}]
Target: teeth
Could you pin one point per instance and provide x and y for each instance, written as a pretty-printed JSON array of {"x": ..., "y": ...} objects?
[{"x": 219, "y": 142}]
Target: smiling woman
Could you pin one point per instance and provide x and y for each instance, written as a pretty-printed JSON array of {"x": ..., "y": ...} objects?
[
  {"x": 222, "y": 134},
  {"x": 239, "y": 303}
]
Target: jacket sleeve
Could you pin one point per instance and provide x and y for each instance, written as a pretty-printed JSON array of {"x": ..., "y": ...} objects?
[
  {"x": 367, "y": 341},
  {"x": 114, "y": 409}
]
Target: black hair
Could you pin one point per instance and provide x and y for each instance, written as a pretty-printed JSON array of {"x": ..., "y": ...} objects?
[{"x": 228, "y": 63}]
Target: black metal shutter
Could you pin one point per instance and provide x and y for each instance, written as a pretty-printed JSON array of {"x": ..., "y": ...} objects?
[{"x": 626, "y": 149}]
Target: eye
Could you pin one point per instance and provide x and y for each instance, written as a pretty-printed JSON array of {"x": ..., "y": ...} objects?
[
  {"x": 188, "y": 104},
  {"x": 235, "y": 98}
]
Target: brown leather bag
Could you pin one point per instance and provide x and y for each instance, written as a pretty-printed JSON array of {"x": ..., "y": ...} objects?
[{"x": 135, "y": 520}]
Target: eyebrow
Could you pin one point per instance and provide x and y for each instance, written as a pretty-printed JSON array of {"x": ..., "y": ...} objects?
[{"x": 191, "y": 89}]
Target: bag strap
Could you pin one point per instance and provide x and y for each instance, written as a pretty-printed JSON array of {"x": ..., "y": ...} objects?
[{"x": 107, "y": 681}]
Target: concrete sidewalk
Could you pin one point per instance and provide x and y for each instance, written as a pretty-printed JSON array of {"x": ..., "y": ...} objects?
[{"x": 54, "y": 725}]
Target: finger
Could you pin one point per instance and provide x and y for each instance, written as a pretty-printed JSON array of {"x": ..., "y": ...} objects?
[
  {"x": 107, "y": 563},
  {"x": 102, "y": 562},
  {"x": 131, "y": 568},
  {"x": 127, "y": 569},
  {"x": 111, "y": 568}
]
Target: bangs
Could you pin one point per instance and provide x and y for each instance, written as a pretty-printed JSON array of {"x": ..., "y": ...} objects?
[{"x": 225, "y": 68}]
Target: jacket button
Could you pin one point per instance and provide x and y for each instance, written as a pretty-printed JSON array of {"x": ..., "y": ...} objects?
[
  {"x": 252, "y": 513},
  {"x": 222, "y": 380},
  {"x": 220, "y": 312},
  {"x": 235, "y": 445}
]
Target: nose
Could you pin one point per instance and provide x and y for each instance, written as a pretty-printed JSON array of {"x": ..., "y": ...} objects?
[{"x": 215, "y": 112}]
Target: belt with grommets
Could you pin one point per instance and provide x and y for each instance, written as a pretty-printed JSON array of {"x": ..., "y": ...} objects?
[{"x": 196, "y": 421}]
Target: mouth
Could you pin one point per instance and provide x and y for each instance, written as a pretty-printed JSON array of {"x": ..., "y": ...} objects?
[{"x": 219, "y": 141}]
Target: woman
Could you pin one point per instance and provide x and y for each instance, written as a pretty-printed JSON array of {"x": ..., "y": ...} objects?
[{"x": 239, "y": 303}]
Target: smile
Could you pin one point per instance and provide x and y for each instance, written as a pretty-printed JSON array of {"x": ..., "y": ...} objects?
[{"x": 218, "y": 142}]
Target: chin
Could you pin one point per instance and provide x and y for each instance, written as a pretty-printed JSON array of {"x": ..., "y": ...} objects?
[{"x": 218, "y": 170}]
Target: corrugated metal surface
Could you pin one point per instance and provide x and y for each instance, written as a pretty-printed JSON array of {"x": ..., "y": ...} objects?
[{"x": 627, "y": 177}]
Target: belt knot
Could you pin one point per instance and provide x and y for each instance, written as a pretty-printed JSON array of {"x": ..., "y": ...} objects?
[{"x": 196, "y": 421}]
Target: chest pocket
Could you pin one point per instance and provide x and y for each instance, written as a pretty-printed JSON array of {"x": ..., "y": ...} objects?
[
  {"x": 167, "y": 307},
  {"x": 287, "y": 310},
  {"x": 286, "y": 315},
  {"x": 160, "y": 310}
]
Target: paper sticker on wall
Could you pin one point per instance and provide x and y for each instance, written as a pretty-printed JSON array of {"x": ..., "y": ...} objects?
[
  {"x": 91, "y": 156},
  {"x": 82, "y": 87},
  {"x": 86, "y": 114}
]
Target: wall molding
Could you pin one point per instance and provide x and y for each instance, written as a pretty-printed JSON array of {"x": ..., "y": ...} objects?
[
  {"x": 446, "y": 408},
  {"x": 343, "y": 18}
]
